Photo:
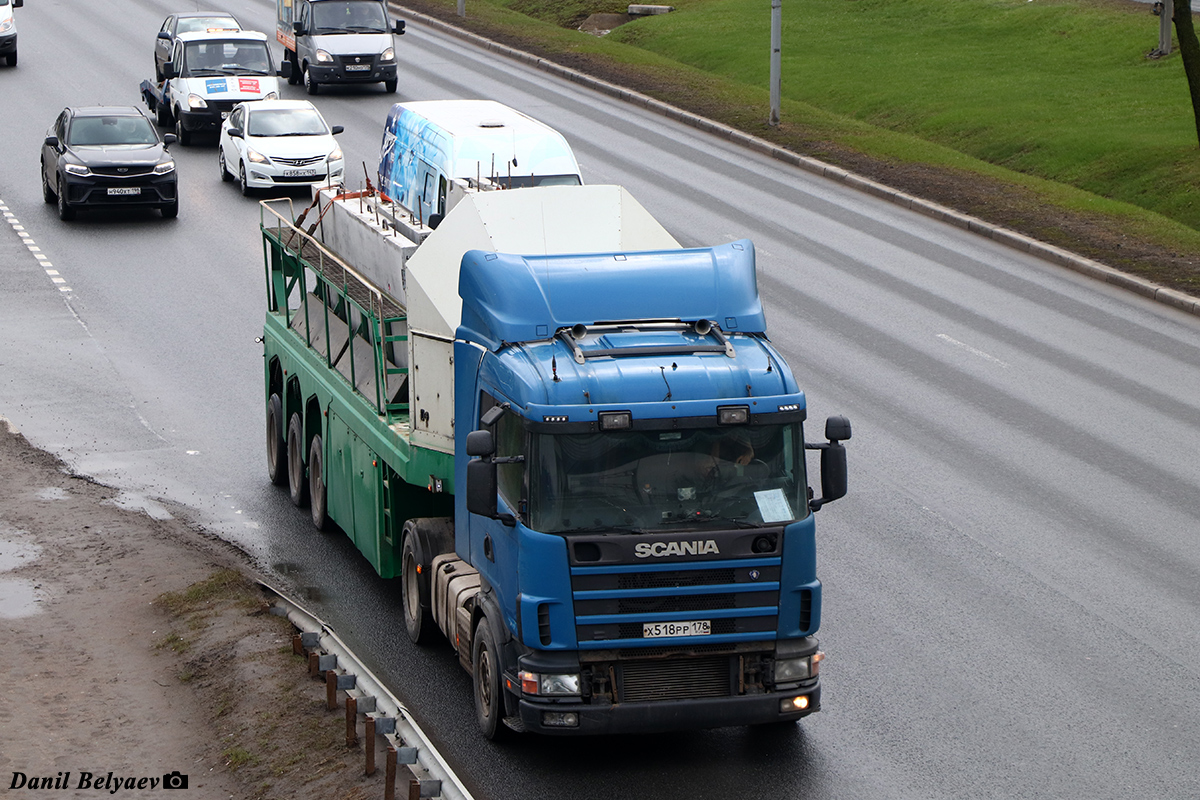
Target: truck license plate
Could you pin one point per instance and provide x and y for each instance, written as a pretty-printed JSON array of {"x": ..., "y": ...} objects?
[
  {"x": 124, "y": 190},
  {"x": 656, "y": 630},
  {"x": 299, "y": 173},
  {"x": 357, "y": 67}
]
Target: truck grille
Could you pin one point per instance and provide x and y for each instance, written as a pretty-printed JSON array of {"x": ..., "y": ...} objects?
[
  {"x": 739, "y": 598},
  {"x": 642, "y": 681}
]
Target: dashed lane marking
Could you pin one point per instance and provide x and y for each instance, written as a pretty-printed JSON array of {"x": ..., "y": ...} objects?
[{"x": 32, "y": 246}]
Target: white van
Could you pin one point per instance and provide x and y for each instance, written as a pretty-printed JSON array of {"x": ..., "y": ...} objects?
[
  {"x": 428, "y": 144},
  {"x": 8, "y": 30}
]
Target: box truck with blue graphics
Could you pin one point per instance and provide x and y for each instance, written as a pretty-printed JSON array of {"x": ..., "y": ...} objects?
[
  {"x": 428, "y": 145},
  {"x": 571, "y": 441}
]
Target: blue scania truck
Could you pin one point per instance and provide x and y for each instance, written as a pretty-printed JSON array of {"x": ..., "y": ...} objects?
[{"x": 571, "y": 441}]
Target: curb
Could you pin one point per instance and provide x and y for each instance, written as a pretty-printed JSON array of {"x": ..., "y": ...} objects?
[{"x": 1057, "y": 255}]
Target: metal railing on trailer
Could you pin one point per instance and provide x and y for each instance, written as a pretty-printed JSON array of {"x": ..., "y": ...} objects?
[{"x": 305, "y": 280}]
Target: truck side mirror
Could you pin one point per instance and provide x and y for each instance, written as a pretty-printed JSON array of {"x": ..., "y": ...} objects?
[
  {"x": 481, "y": 443},
  {"x": 398, "y": 28},
  {"x": 18, "y": 3},
  {"x": 52, "y": 141},
  {"x": 285, "y": 70},
  {"x": 298, "y": 28},
  {"x": 481, "y": 487},
  {"x": 435, "y": 220},
  {"x": 164, "y": 35},
  {"x": 169, "y": 70},
  {"x": 834, "y": 471}
]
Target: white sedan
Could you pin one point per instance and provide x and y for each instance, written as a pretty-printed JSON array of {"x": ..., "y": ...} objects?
[{"x": 278, "y": 143}]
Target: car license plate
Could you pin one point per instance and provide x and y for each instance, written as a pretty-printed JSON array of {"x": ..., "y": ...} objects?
[
  {"x": 657, "y": 630},
  {"x": 124, "y": 190},
  {"x": 357, "y": 67},
  {"x": 299, "y": 173}
]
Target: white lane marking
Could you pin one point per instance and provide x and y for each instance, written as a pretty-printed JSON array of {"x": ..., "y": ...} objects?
[
  {"x": 31, "y": 245},
  {"x": 972, "y": 350}
]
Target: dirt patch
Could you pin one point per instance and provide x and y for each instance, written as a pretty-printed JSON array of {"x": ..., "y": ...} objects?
[{"x": 138, "y": 647}]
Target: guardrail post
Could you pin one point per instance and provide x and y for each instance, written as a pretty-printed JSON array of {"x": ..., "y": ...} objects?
[
  {"x": 369, "y": 743},
  {"x": 297, "y": 645},
  {"x": 330, "y": 690},
  {"x": 313, "y": 661},
  {"x": 389, "y": 778},
  {"x": 414, "y": 789},
  {"x": 351, "y": 721}
]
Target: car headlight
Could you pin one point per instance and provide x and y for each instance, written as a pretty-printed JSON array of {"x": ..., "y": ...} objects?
[
  {"x": 389, "y": 54},
  {"x": 76, "y": 169},
  {"x": 255, "y": 156},
  {"x": 196, "y": 101},
  {"x": 334, "y": 155},
  {"x": 164, "y": 168},
  {"x": 272, "y": 96},
  {"x": 6, "y": 26},
  {"x": 324, "y": 57},
  {"x": 566, "y": 685}
]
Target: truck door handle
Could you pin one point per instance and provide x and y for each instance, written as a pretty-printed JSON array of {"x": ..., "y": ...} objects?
[{"x": 487, "y": 549}]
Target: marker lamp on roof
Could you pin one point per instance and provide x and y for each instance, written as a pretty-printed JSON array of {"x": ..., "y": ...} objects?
[
  {"x": 615, "y": 420},
  {"x": 733, "y": 415}
]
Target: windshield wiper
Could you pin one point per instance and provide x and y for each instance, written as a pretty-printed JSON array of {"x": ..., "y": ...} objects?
[
  {"x": 604, "y": 529},
  {"x": 708, "y": 516}
]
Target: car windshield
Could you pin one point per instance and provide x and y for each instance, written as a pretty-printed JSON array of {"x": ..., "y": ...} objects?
[
  {"x": 190, "y": 24},
  {"x": 286, "y": 122},
  {"x": 226, "y": 58},
  {"x": 107, "y": 131},
  {"x": 351, "y": 16},
  {"x": 667, "y": 480}
]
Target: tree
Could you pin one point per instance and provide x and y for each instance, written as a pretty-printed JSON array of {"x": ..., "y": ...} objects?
[{"x": 1189, "y": 52}]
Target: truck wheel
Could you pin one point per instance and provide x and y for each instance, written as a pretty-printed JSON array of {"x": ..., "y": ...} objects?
[
  {"x": 276, "y": 446},
  {"x": 297, "y": 480},
  {"x": 310, "y": 83},
  {"x": 485, "y": 673},
  {"x": 65, "y": 212},
  {"x": 12, "y": 58},
  {"x": 181, "y": 133},
  {"x": 225, "y": 176},
  {"x": 418, "y": 614},
  {"x": 390, "y": 86},
  {"x": 295, "y": 77},
  {"x": 316, "y": 484},
  {"x": 47, "y": 193}
]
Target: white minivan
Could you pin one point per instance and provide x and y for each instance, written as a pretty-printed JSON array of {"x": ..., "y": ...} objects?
[{"x": 8, "y": 30}]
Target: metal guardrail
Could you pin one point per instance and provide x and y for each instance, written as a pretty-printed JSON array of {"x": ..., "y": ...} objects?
[{"x": 366, "y": 696}]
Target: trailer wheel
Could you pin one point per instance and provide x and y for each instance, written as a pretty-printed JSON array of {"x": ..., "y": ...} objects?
[
  {"x": 418, "y": 614},
  {"x": 316, "y": 484},
  {"x": 276, "y": 445},
  {"x": 485, "y": 673},
  {"x": 297, "y": 483}
]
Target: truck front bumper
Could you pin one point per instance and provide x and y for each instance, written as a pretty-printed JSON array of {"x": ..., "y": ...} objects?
[
  {"x": 665, "y": 715},
  {"x": 345, "y": 73}
]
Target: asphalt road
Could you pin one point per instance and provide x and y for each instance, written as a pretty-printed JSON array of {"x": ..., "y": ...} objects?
[{"x": 1012, "y": 586}]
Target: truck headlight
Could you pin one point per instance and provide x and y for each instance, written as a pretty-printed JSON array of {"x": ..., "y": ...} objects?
[
  {"x": 7, "y": 25},
  {"x": 790, "y": 670},
  {"x": 76, "y": 169},
  {"x": 388, "y": 55},
  {"x": 164, "y": 168},
  {"x": 324, "y": 57},
  {"x": 255, "y": 156},
  {"x": 272, "y": 96},
  {"x": 196, "y": 101},
  {"x": 566, "y": 685}
]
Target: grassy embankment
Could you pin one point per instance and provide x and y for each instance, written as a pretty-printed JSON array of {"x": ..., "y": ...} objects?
[{"x": 1042, "y": 115}]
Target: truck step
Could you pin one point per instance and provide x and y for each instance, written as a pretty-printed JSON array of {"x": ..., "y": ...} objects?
[{"x": 514, "y": 723}]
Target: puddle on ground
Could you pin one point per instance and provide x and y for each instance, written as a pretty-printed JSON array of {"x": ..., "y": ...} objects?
[
  {"x": 18, "y": 598},
  {"x": 14, "y": 555},
  {"x": 136, "y": 502}
]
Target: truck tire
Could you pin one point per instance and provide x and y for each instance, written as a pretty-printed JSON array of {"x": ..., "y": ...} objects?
[
  {"x": 418, "y": 611},
  {"x": 297, "y": 479},
  {"x": 276, "y": 445},
  {"x": 295, "y": 77},
  {"x": 181, "y": 133},
  {"x": 12, "y": 58},
  {"x": 310, "y": 83},
  {"x": 390, "y": 86},
  {"x": 485, "y": 674},
  {"x": 316, "y": 484}
]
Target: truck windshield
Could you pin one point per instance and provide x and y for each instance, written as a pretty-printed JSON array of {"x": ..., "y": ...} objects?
[
  {"x": 525, "y": 181},
  {"x": 667, "y": 480},
  {"x": 351, "y": 16},
  {"x": 226, "y": 58}
]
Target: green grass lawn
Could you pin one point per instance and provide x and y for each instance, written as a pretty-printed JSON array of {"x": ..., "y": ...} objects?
[{"x": 1054, "y": 98}]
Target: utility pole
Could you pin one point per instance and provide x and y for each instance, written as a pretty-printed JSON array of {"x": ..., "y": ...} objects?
[
  {"x": 1164, "y": 29},
  {"x": 776, "y": 44}
]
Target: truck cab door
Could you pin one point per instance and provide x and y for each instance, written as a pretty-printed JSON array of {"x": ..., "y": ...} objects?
[{"x": 427, "y": 195}]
